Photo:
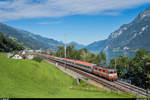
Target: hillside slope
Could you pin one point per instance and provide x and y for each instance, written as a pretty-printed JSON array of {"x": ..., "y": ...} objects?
[
  {"x": 76, "y": 45},
  {"x": 96, "y": 47},
  {"x": 28, "y": 39},
  {"x": 8, "y": 45},
  {"x": 30, "y": 79}
]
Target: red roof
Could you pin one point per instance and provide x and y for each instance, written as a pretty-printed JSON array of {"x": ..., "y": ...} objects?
[
  {"x": 80, "y": 62},
  {"x": 85, "y": 63},
  {"x": 75, "y": 61}
]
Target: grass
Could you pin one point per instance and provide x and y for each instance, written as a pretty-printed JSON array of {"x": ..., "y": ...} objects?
[{"x": 31, "y": 79}]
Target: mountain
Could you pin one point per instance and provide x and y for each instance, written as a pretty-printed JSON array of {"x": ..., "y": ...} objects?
[
  {"x": 97, "y": 46},
  {"x": 28, "y": 39},
  {"x": 76, "y": 45},
  {"x": 130, "y": 36}
]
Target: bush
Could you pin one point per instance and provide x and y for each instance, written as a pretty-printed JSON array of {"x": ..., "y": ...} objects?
[{"x": 38, "y": 59}]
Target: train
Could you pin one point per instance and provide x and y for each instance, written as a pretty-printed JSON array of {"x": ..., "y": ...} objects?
[{"x": 101, "y": 71}]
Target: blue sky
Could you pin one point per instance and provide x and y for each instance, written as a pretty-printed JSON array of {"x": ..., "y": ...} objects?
[{"x": 83, "y": 21}]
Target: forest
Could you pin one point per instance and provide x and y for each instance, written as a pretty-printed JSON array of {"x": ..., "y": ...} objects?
[
  {"x": 136, "y": 69},
  {"x": 8, "y": 45}
]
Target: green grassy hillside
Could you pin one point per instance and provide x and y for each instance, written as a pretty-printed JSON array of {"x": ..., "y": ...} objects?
[{"x": 30, "y": 79}]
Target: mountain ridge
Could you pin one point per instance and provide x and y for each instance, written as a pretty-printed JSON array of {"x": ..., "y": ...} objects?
[
  {"x": 131, "y": 36},
  {"x": 76, "y": 45},
  {"x": 96, "y": 46},
  {"x": 29, "y": 39}
]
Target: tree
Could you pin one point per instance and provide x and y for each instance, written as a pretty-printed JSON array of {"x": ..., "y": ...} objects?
[
  {"x": 137, "y": 69},
  {"x": 70, "y": 51},
  {"x": 84, "y": 52},
  {"x": 8, "y": 45},
  {"x": 92, "y": 58},
  {"x": 60, "y": 51},
  {"x": 122, "y": 65},
  {"x": 112, "y": 63},
  {"x": 147, "y": 70},
  {"x": 102, "y": 58},
  {"x": 38, "y": 59}
]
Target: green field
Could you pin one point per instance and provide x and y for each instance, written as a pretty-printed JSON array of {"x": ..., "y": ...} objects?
[{"x": 30, "y": 79}]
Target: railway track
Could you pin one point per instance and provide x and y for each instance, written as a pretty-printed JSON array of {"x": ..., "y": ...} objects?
[
  {"x": 133, "y": 88},
  {"x": 103, "y": 82},
  {"x": 114, "y": 86}
]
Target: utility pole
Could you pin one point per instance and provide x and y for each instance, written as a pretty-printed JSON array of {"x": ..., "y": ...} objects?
[
  {"x": 115, "y": 63},
  {"x": 65, "y": 48},
  {"x": 84, "y": 56}
]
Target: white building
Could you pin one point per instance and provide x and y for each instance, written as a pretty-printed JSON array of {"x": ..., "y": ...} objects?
[
  {"x": 30, "y": 57},
  {"x": 17, "y": 57},
  {"x": 38, "y": 51},
  {"x": 23, "y": 52}
]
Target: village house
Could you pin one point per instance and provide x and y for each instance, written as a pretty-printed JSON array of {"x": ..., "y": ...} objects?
[
  {"x": 30, "y": 57},
  {"x": 16, "y": 56}
]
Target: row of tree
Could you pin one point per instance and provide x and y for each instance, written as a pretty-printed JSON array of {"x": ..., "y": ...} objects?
[
  {"x": 81, "y": 54},
  {"x": 137, "y": 69},
  {"x": 8, "y": 45}
]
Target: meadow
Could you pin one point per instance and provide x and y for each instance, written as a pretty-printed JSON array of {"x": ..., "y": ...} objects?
[{"x": 31, "y": 79}]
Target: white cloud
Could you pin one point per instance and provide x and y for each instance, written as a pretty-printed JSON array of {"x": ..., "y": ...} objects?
[
  {"x": 54, "y": 22},
  {"x": 18, "y": 9}
]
